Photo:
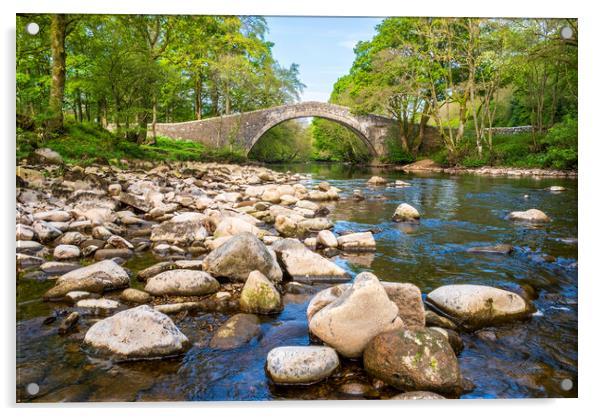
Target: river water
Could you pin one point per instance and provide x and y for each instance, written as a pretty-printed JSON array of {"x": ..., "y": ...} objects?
[{"x": 536, "y": 358}]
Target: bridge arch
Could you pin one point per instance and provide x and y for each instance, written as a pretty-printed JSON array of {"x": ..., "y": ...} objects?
[
  {"x": 243, "y": 130},
  {"x": 335, "y": 113}
]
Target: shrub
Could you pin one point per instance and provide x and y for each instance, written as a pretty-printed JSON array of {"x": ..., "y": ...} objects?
[{"x": 396, "y": 154}]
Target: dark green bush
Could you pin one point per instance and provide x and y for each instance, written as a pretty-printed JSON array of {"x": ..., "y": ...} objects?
[{"x": 396, "y": 154}]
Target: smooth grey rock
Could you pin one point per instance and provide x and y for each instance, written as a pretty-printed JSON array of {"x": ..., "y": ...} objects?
[
  {"x": 306, "y": 266},
  {"x": 66, "y": 252},
  {"x": 182, "y": 283},
  {"x": 301, "y": 365},
  {"x": 239, "y": 256},
  {"x": 474, "y": 306},
  {"x": 137, "y": 333}
]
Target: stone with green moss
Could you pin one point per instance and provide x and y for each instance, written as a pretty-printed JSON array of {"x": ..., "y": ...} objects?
[
  {"x": 414, "y": 359},
  {"x": 259, "y": 295}
]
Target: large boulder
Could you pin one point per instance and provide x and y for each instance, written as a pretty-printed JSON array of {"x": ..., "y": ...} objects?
[
  {"x": 357, "y": 242},
  {"x": 182, "y": 282},
  {"x": 259, "y": 295},
  {"x": 406, "y": 296},
  {"x": 239, "y": 256},
  {"x": 530, "y": 215},
  {"x": 301, "y": 365},
  {"x": 97, "y": 277},
  {"x": 137, "y": 333},
  {"x": 304, "y": 265},
  {"x": 406, "y": 213},
  {"x": 474, "y": 306},
  {"x": 353, "y": 319},
  {"x": 235, "y": 332},
  {"x": 419, "y": 359},
  {"x": 182, "y": 229}
]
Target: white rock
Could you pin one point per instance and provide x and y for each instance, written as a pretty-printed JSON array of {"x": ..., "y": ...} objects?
[
  {"x": 66, "y": 252},
  {"x": 233, "y": 226},
  {"x": 97, "y": 303},
  {"x": 406, "y": 212},
  {"x": 182, "y": 283},
  {"x": 305, "y": 265},
  {"x": 530, "y": 215},
  {"x": 327, "y": 239},
  {"x": 357, "y": 242},
  {"x": 137, "y": 333},
  {"x": 301, "y": 365},
  {"x": 358, "y": 315},
  {"x": 477, "y": 305},
  {"x": 109, "y": 273},
  {"x": 59, "y": 216}
]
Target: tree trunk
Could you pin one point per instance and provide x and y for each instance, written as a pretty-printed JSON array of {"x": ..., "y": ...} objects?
[
  {"x": 78, "y": 104},
  {"x": 198, "y": 99},
  {"x": 153, "y": 139},
  {"x": 57, "y": 87}
]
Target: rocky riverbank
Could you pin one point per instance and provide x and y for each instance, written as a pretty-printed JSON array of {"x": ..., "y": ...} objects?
[
  {"x": 240, "y": 241},
  {"x": 428, "y": 165}
]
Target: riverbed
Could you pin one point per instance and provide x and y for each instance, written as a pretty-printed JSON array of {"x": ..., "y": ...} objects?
[{"x": 536, "y": 358}]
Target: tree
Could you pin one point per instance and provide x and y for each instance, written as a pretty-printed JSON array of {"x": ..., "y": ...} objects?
[{"x": 58, "y": 29}]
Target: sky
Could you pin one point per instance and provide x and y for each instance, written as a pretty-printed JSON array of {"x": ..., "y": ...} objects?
[{"x": 322, "y": 46}]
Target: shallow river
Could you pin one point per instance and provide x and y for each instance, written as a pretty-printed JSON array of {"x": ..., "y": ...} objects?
[{"x": 536, "y": 358}]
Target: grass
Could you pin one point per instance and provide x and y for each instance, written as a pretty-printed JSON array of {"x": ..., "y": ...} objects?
[{"x": 84, "y": 144}]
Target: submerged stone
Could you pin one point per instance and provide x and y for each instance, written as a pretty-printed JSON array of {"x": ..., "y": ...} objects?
[{"x": 235, "y": 332}]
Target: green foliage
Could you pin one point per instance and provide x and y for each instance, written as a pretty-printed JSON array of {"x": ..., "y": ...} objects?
[
  {"x": 87, "y": 143},
  {"x": 396, "y": 154},
  {"x": 286, "y": 142},
  {"x": 130, "y": 69},
  {"x": 556, "y": 149},
  {"x": 463, "y": 75},
  {"x": 333, "y": 142}
]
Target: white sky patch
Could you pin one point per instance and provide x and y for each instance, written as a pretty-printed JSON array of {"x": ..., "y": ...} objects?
[
  {"x": 349, "y": 44},
  {"x": 321, "y": 96}
]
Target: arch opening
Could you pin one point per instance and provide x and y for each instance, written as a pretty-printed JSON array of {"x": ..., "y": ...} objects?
[{"x": 294, "y": 139}]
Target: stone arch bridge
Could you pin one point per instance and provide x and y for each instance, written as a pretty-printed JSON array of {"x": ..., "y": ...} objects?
[{"x": 245, "y": 129}]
